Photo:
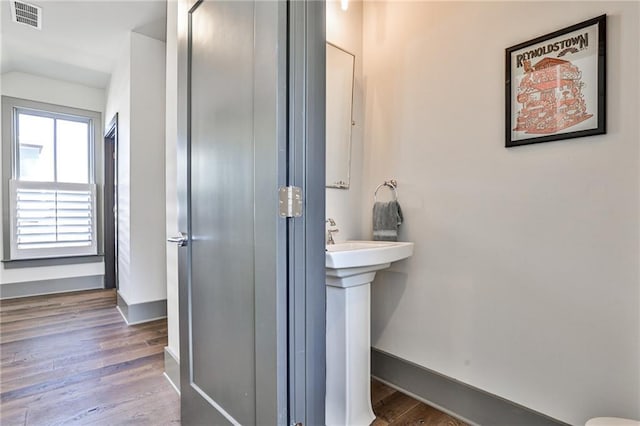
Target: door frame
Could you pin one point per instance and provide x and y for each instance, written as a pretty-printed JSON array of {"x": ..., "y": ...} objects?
[
  {"x": 307, "y": 314},
  {"x": 110, "y": 197}
]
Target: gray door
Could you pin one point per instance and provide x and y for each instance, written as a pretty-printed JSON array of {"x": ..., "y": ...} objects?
[
  {"x": 251, "y": 313},
  {"x": 236, "y": 253}
]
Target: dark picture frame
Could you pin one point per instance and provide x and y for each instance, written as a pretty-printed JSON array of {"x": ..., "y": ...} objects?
[{"x": 556, "y": 85}]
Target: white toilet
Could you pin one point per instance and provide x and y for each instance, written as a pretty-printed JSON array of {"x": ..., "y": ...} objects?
[{"x": 611, "y": 421}]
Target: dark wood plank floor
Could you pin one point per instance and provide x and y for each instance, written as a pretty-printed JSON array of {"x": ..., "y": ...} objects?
[
  {"x": 71, "y": 359},
  {"x": 395, "y": 408}
]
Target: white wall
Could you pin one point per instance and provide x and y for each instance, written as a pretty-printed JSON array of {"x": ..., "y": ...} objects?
[
  {"x": 171, "y": 176},
  {"x": 344, "y": 29},
  {"x": 42, "y": 89},
  {"x": 35, "y": 88},
  {"x": 137, "y": 94},
  {"x": 147, "y": 170},
  {"x": 525, "y": 278},
  {"x": 119, "y": 101}
]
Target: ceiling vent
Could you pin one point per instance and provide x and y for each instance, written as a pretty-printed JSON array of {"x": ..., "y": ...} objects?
[{"x": 27, "y": 14}]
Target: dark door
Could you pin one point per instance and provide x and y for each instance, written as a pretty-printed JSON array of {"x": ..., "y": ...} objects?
[{"x": 110, "y": 203}]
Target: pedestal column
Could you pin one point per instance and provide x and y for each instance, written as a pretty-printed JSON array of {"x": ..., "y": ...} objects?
[{"x": 348, "y": 398}]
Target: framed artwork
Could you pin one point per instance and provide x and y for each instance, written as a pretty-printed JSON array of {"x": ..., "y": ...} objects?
[{"x": 556, "y": 85}]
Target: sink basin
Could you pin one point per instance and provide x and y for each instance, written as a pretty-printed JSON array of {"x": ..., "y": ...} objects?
[
  {"x": 353, "y": 263},
  {"x": 350, "y": 254}
]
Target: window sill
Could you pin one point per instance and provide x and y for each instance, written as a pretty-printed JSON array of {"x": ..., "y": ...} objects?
[{"x": 51, "y": 261}]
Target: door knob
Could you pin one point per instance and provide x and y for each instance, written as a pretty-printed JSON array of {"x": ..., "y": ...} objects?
[{"x": 181, "y": 239}]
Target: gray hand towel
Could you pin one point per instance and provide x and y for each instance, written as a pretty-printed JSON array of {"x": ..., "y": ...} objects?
[{"x": 387, "y": 217}]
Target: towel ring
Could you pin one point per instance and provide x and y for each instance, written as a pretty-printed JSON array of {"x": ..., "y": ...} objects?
[{"x": 393, "y": 184}]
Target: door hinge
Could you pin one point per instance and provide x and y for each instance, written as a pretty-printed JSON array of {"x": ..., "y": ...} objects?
[{"x": 290, "y": 200}]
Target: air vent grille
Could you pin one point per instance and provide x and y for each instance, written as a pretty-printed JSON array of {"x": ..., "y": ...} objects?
[{"x": 27, "y": 14}]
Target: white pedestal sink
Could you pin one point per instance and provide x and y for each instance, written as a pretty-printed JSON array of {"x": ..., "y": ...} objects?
[{"x": 350, "y": 268}]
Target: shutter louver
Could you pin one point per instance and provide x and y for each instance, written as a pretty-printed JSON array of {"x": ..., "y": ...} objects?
[{"x": 53, "y": 217}]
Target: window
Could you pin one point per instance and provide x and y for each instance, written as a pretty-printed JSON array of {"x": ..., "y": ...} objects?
[
  {"x": 52, "y": 147},
  {"x": 52, "y": 190}
]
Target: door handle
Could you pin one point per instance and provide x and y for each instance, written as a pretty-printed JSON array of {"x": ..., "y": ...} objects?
[{"x": 181, "y": 239}]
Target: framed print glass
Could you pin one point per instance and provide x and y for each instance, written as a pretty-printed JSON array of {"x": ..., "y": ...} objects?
[{"x": 556, "y": 85}]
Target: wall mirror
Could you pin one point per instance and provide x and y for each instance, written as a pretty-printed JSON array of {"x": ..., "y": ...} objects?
[{"x": 339, "y": 105}]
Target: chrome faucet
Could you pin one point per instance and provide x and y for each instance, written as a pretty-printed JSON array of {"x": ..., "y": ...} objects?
[{"x": 331, "y": 231}]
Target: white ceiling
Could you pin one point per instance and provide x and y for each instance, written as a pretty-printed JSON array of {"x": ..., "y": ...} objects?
[{"x": 80, "y": 40}]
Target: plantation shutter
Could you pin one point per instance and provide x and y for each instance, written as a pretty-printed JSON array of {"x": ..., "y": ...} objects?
[{"x": 52, "y": 219}]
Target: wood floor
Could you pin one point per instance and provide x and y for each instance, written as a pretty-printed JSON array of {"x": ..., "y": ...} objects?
[
  {"x": 71, "y": 359},
  {"x": 395, "y": 408}
]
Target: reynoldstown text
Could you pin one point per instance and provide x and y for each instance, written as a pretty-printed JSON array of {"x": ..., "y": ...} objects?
[{"x": 579, "y": 42}]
